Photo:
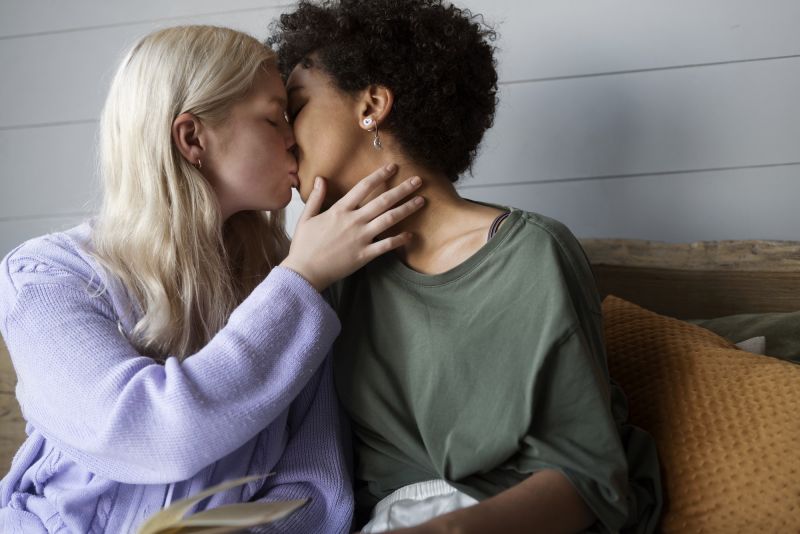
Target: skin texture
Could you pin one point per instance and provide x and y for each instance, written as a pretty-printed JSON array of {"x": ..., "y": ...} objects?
[
  {"x": 332, "y": 140},
  {"x": 248, "y": 158},
  {"x": 329, "y": 128}
]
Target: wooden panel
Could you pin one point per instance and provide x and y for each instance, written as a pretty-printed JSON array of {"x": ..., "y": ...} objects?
[
  {"x": 48, "y": 172},
  {"x": 725, "y": 116},
  {"x": 699, "y": 280},
  {"x": 12, "y": 426},
  {"x": 701, "y": 294},
  {"x": 547, "y": 38},
  {"x": 741, "y": 204},
  {"x": 755, "y": 256},
  {"x": 64, "y": 77},
  {"x": 668, "y": 122},
  {"x": 538, "y": 38},
  {"x": 22, "y": 17}
]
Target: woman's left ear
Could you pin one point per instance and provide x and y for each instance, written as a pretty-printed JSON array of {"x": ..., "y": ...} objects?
[
  {"x": 186, "y": 134},
  {"x": 374, "y": 106}
]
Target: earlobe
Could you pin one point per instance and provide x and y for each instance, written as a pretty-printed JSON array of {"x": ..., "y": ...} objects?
[
  {"x": 376, "y": 106},
  {"x": 186, "y": 130}
]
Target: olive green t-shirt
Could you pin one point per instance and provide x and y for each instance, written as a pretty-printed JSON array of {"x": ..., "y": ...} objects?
[{"x": 489, "y": 372}]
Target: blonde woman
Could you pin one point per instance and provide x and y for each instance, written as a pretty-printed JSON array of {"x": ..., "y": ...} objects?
[{"x": 176, "y": 340}]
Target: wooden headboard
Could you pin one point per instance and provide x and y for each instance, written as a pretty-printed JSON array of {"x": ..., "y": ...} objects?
[
  {"x": 699, "y": 280},
  {"x": 690, "y": 281}
]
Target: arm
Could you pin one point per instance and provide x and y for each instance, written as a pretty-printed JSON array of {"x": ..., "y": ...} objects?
[
  {"x": 314, "y": 464},
  {"x": 125, "y": 417},
  {"x": 573, "y": 450},
  {"x": 545, "y": 502}
]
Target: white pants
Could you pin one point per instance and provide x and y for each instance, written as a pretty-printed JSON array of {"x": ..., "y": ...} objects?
[{"x": 414, "y": 504}]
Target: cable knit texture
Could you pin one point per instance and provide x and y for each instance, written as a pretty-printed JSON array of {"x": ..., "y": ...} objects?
[{"x": 113, "y": 436}]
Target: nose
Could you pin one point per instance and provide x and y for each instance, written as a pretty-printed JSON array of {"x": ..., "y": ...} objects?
[{"x": 290, "y": 140}]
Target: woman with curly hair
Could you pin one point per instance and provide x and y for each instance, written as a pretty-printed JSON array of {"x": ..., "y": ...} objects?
[
  {"x": 471, "y": 362},
  {"x": 177, "y": 340}
]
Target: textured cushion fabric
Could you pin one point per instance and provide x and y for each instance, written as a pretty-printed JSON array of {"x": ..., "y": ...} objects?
[
  {"x": 782, "y": 331},
  {"x": 726, "y": 422}
]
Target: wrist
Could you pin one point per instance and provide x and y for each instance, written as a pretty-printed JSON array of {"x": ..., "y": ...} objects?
[{"x": 303, "y": 273}]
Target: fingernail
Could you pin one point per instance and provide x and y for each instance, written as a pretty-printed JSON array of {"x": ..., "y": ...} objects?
[
  {"x": 391, "y": 167},
  {"x": 419, "y": 201},
  {"x": 317, "y": 182},
  {"x": 416, "y": 180}
]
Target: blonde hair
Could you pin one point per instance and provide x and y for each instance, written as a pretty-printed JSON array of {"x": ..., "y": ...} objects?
[{"x": 160, "y": 229}]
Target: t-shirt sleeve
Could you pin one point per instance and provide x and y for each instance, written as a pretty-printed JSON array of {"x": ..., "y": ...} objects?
[
  {"x": 573, "y": 430},
  {"x": 574, "y": 426}
]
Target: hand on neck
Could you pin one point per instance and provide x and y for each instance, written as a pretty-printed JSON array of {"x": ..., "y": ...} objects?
[{"x": 447, "y": 230}]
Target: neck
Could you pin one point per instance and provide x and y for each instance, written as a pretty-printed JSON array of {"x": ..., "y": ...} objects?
[
  {"x": 447, "y": 229},
  {"x": 441, "y": 198},
  {"x": 444, "y": 220}
]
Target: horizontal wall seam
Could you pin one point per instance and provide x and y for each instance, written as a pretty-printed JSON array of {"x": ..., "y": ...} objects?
[
  {"x": 502, "y": 83},
  {"x": 626, "y": 176},
  {"x": 650, "y": 69},
  {"x": 56, "y": 216},
  {"x": 47, "y": 124},
  {"x": 143, "y": 21}
]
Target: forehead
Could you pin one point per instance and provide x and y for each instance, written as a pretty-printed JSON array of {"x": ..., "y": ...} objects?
[
  {"x": 309, "y": 77},
  {"x": 268, "y": 85}
]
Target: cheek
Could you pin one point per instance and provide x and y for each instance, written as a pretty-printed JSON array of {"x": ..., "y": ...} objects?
[{"x": 325, "y": 146}]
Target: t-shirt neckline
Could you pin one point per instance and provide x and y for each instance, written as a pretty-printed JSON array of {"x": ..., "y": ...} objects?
[{"x": 394, "y": 265}]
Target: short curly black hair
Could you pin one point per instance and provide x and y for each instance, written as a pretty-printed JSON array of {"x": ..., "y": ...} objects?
[{"x": 436, "y": 58}]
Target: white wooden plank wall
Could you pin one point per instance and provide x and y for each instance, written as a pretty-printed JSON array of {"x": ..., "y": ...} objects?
[{"x": 673, "y": 121}]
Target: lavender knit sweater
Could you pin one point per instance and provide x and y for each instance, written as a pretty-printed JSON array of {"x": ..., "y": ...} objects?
[{"x": 114, "y": 436}]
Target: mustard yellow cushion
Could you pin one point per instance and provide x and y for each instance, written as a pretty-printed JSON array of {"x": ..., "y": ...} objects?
[{"x": 726, "y": 422}]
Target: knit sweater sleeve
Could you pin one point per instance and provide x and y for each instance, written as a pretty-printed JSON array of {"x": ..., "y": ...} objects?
[
  {"x": 127, "y": 418},
  {"x": 315, "y": 463}
]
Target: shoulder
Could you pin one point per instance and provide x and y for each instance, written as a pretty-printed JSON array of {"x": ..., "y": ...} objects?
[
  {"x": 551, "y": 246},
  {"x": 541, "y": 235},
  {"x": 546, "y": 230},
  {"x": 61, "y": 258}
]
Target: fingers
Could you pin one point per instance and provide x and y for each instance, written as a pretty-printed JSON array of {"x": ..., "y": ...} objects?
[
  {"x": 386, "y": 220},
  {"x": 391, "y": 197},
  {"x": 362, "y": 189},
  {"x": 385, "y": 245},
  {"x": 315, "y": 199}
]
